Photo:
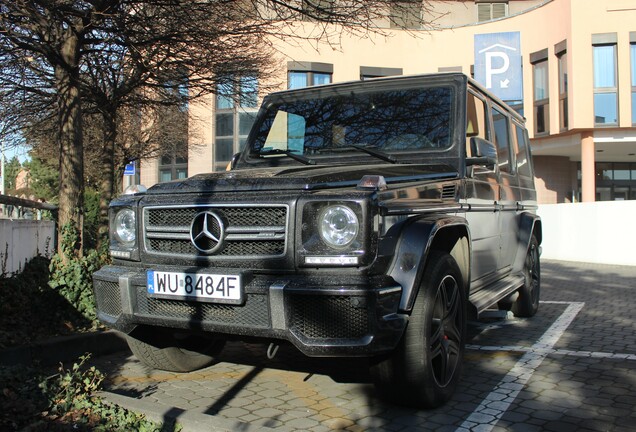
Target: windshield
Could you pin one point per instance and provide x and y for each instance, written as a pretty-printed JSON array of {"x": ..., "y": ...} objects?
[{"x": 371, "y": 123}]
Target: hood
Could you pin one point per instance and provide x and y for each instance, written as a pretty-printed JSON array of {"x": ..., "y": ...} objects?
[{"x": 301, "y": 178}]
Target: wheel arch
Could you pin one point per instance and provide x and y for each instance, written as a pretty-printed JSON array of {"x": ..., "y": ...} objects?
[
  {"x": 418, "y": 238},
  {"x": 529, "y": 225}
]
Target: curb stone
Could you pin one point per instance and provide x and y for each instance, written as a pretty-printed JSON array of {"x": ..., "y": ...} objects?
[
  {"x": 64, "y": 348},
  {"x": 189, "y": 420}
]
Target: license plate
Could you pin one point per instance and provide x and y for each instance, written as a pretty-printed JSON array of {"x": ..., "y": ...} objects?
[{"x": 205, "y": 287}]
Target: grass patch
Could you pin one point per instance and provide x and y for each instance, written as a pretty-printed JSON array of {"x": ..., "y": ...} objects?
[{"x": 34, "y": 400}]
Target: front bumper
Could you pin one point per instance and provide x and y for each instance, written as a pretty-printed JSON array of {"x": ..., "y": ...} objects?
[{"x": 320, "y": 319}]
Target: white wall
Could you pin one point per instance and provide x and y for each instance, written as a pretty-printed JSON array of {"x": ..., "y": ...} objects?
[
  {"x": 599, "y": 232},
  {"x": 21, "y": 240}
]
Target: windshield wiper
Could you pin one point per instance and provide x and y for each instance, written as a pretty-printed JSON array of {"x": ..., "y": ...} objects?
[
  {"x": 289, "y": 154},
  {"x": 375, "y": 153}
]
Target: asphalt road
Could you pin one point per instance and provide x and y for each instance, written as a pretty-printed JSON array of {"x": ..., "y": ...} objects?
[{"x": 572, "y": 367}]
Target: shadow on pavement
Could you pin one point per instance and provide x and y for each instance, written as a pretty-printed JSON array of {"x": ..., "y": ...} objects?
[{"x": 565, "y": 391}]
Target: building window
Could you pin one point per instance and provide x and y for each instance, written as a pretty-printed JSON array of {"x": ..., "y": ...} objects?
[
  {"x": 563, "y": 91},
  {"x": 541, "y": 98},
  {"x": 174, "y": 166},
  {"x": 305, "y": 74},
  {"x": 305, "y": 79},
  {"x": 236, "y": 107},
  {"x": 632, "y": 48},
  {"x": 487, "y": 11},
  {"x": 368, "y": 72},
  {"x": 605, "y": 89},
  {"x": 405, "y": 14},
  {"x": 615, "y": 181}
]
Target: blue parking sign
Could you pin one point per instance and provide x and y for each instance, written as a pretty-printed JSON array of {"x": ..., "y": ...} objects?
[
  {"x": 129, "y": 169},
  {"x": 498, "y": 64}
]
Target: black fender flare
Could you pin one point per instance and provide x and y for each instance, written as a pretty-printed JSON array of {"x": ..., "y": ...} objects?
[
  {"x": 529, "y": 224},
  {"x": 417, "y": 237}
]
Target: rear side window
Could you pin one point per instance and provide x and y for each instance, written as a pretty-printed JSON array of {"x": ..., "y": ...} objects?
[
  {"x": 523, "y": 162},
  {"x": 476, "y": 125},
  {"x": 502, "y": 139}
]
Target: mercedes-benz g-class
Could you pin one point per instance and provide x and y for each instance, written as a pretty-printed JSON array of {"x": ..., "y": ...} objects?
[{"x": 360, "y": 219}]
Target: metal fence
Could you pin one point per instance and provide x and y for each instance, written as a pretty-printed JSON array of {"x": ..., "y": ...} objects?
[
  {"x": 20, "y": 208},
  {"x": 24, "y": 234}
]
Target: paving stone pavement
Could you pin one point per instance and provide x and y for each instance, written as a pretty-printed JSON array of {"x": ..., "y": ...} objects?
[{"x": 572, "y": 367}]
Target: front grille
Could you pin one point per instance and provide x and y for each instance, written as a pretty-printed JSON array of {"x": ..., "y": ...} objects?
[
  {"x": 254, "y": 313},
  {"x": 250, "y": 231},
  {"x": 329, "y": 317},
  {"x": 107, "y": 297}
]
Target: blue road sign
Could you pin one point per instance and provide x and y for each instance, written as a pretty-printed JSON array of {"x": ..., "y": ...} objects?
[
  {"x": 498, "y": 64},
  {"x": 129, "y": 169}
]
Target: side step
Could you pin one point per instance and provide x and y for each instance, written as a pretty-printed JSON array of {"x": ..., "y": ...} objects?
[{"x": 490, "y": 295}]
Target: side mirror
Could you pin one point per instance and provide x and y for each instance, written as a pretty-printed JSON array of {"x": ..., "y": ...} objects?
[{"x": 484, "y": 151}]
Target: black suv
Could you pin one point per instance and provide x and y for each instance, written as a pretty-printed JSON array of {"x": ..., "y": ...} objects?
[{"x": 361, "y": 219}]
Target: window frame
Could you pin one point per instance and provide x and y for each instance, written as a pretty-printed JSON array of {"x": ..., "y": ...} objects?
[
  {"x": 310, "y": 70},
  {"x": 511, "y": 159},
  {"x": 491, "y": 9},
  {"x": 632, "y": 50},
  {"x": 564, "y": 111},
  {"x": 486, "y": 133},
  {"x": 603, "y": 41},
  {"x": 521, "y": 146},
  {"x": 541, "y": 102},
  {"x": 243, "y": 102},
  {"x": 311, "y": 78},
  {"x": 174, "y": 167}
]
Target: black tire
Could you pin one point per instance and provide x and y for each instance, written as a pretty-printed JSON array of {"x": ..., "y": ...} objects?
[
  {"x": 175, "y": 354},
  {"x": 527, "y": 304},
  {"x": 424, "y": 369}
]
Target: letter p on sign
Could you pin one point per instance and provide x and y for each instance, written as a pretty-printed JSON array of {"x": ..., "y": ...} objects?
[{"x": 490, "y": 66}]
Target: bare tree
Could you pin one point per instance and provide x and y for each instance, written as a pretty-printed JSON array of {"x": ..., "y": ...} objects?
[{"x": 67, "y": 58}]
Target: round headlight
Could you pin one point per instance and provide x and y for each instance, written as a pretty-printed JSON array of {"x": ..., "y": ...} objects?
[
  {"x": 338, "y": 226},
  {"x": 125, "y": 227}
]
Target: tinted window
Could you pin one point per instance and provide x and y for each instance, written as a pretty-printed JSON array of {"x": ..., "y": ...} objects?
[
  {"x": 391, "y": 120},
  {"x": 502, "y": 139},
  {"x": 523, "y": 164},
  {"x": 475, "y": 120}
]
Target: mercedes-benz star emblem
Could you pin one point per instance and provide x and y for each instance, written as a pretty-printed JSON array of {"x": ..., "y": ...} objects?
[{"x": 207, "y": 232}]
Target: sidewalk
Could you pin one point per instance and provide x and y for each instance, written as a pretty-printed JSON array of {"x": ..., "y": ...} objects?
[{"x": 570, "y": 368}]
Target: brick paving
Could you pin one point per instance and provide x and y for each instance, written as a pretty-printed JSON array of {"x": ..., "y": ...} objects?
[{"x": 571, "y": 367}]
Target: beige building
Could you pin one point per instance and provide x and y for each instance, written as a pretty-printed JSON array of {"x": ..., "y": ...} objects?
[{"x": 578, "y": 69}]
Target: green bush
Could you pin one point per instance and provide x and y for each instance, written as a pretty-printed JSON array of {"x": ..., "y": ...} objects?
[
  {"x": 71, "y": 273},
  {"x": 30, "y": 309}
]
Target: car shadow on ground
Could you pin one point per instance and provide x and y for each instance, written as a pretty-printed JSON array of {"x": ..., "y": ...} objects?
[{"x": 564, "y": 392}]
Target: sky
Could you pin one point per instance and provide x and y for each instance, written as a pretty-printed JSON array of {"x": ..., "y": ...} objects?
[{"x": 21, "y": 152}]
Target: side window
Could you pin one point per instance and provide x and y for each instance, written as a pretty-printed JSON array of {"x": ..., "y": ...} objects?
[
  {"x": 476, "y": 125},
  {"x": 501, "y": 126},
  {"x": 523, "y": 162}
]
